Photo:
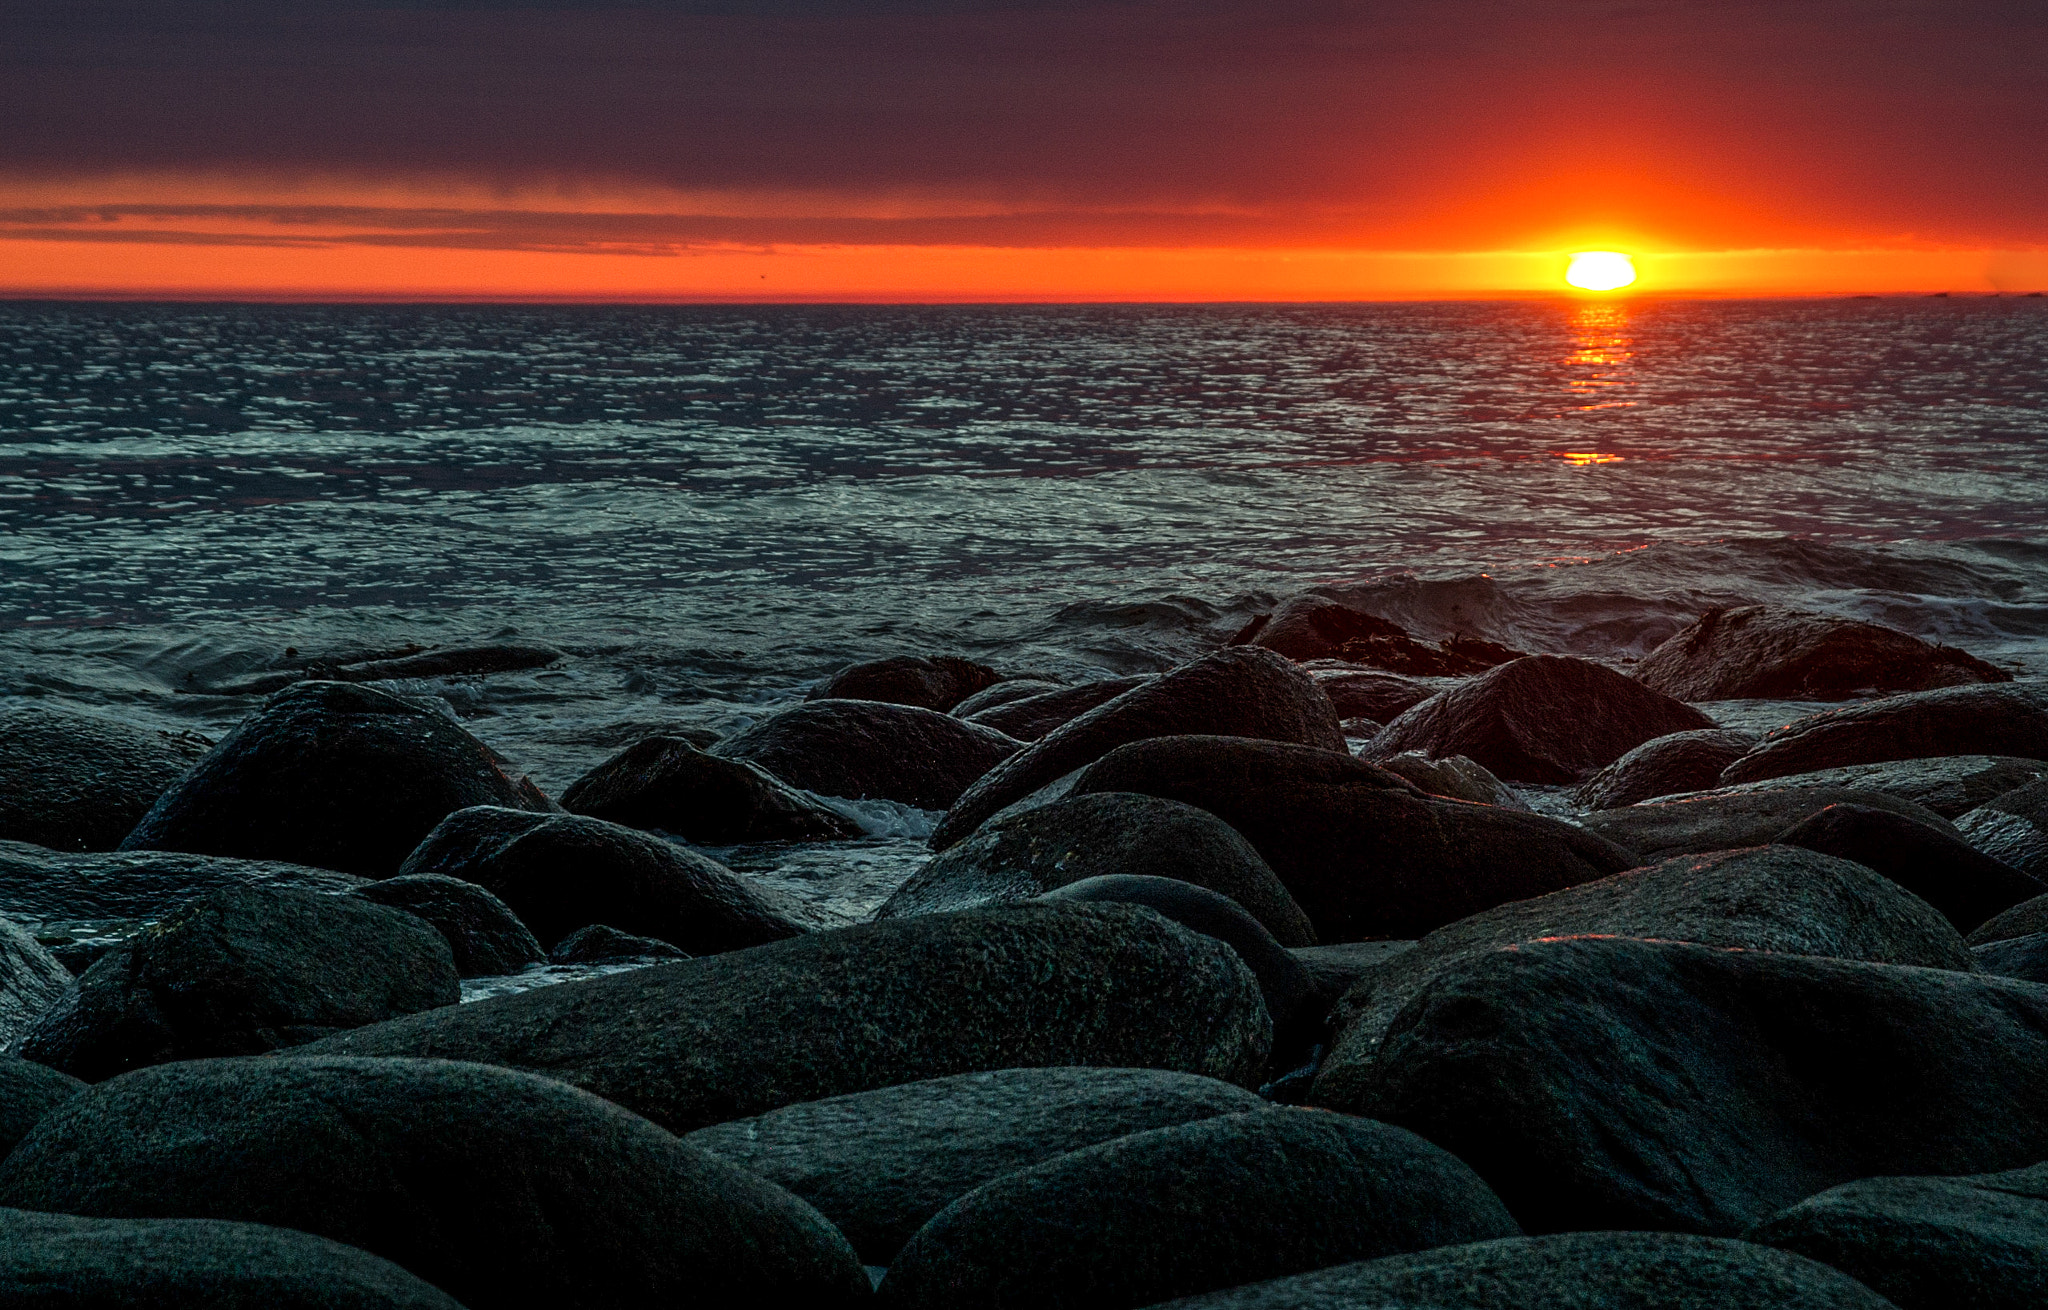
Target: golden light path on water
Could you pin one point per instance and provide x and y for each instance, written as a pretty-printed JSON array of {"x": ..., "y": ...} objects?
[{"x": 1602, "y": 350}]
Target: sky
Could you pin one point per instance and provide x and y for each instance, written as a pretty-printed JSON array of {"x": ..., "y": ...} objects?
[{"x": 1017, "y": 149}]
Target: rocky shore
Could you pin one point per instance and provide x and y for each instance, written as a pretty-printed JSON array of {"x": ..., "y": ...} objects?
[{"x": 1334, "y": 967}]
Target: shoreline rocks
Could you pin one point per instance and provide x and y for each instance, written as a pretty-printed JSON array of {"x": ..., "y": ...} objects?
[
  {"x": 73, "y": 780},
  {"x": 864, "y": 750},
  {"x": 668, "y": 784},
  {"x": 1984, "y": 720},
  {"x": 1764, "y": 652},
  {"x": 937, "y": 682}
]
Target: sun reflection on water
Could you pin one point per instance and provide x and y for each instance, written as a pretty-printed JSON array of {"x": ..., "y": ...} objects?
[{"x": 1599, "y": 367}]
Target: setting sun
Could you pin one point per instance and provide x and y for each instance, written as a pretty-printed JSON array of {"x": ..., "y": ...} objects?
[{"x": 1600, "y": 270}]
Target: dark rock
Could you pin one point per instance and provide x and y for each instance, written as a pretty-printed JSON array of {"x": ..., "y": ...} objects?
[
  {"x": 38, "y": 885},
  {"x": 936, "y": 683},
  {"x": 194, "y": 1264},
  {"x": 1367, "y": 693},
  {"x": 1032, "y": 717},
  {"x": 1015, "y": 857},
  {"x": 2016, "y": 957},
  {"x": 880, "y": 1164},
  {"x": 331, "y": 775},
  {"x": 1316, "y": 628},
  {"x": 454, "y": 1172},
  {"x": 411, "y": 661},
  {"x": 560, "y": 872},
  {"x": 28, "y": 1091},
  {"x": 1365, "y": 853},
  {"x": 76, "y": 781},
  {"x": 1239, "y": 692},
  {"x": 1767, "y": 898},
  {"x": 601, "y": 943},
  {"x": 1953, "y": 721},
  {"x": 864, "y": 750},
  {"x": 1173, "y": 1211},
  {"x": 1726, "y": 821},
  {"x": 706, "y": 1040},
  {"x": 1761, "y": 652},
  {"x": 1455, "y": 777},
  {"x": 1361, "y": 730},
  {"x": 1950, "y": 785},
  {"x": 2013, "y": 828},
  {"x": 1929, "y": 1243},
  {"x": 241, "y": 972},
  {"x": 1545, "y": 719},
  {"x": 1967, "y": 886},
  {"x": 1662, "y": 766},
  {"x": 2021, "y": 920},
  {"x": 666, "y": 783},
  {"x": 1626, "y": 1084},
  {"x": 486, "y": 938},
  {"x": 1002, "y": 693},
  {"x": 31, "y": 981},
  {"x": 1333, "y": 970},
  {"x": 1571, "y": 1271}
]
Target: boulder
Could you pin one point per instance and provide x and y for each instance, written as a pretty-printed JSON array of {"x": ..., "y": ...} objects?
[
  {"x": 1455, "y": 777},
  {"x": 2015, "y": 957},
  {"x": 1318, "y": 628},
  {"x": 1663, "y": 766},
  {"x": 1017, "y": 856},
  {"x": 702, "y": 1041},
  {"x": 484, "y": 935},
  {"x": 411, "y": 660},
  {"x": 1953, "y": 721},
  {"x": 40, "y": 886},
  {"x": 937, "y": 682},
  {"x": 1940, "y": 868},
  {"x": 1570, "y": 1271},
  {"x": 1173, "y": 1211},
  {"x": 668, "y": 784},
  {"x": 1726, "y": 821},
  {"x": 31, "y": 981},
  {"x": 866, "y": 750},
  {"x": 456, "y": 1172},
  {"x": 1950, "y": 785},
  {"x": 1333, "y": 970},
  {"x": 880, "y": 1164},
  {"x": 1367, "y": 693},
  {"x": 333, "y": 775},
  {"x": 1239, "y": 692},
  {"x": 2012, "y": 828},
  {"x": 1543, "y": 719},
  {"x": 1364, "y": 853},
  {"x": 2030, "y": 916},
  {"x": 28, "y": 1091},
  {"x": 1609, "y": 1083},
  {"x": 1767, "y": 898},
  {"x": 1002, "y": 693},
  {"x": 1762, "y": 652},
  {"x": 1929, "y": 1243},
  {"x": 561, "y": 872},
  {"x": 240, "y": 972},
  {"x": 59, "y": 1260},
  {"x": 601, "y": 943},
  {"x": 1032, "y": 717},
  {"x": 72, "y": 780}
]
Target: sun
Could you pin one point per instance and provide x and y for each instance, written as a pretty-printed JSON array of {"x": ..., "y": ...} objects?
[{"x": 1600, "y": 270}]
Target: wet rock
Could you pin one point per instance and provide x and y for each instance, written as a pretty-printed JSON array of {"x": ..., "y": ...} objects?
[
  {"x": 1762, "y": 652},
  {"x": 1929, "y": 1243},
  {"x": 1360, "y": 730},
  {"x": 668, "y": 784},
  {"x": 867, "y": 750},
  {"x": 410, "y": 661},
  {"x": 2029, "y": 916},
  {"x": 28, "y": 1091},
  {"x": 880, "y": 1164},
  {"x": 1365, "y": 853},
  {"x": 1002, "y": 693},
  {"x": 38, "y": 885},
  {"x": 601, "y": 943},
  {"x": 194, "y": 1264},
  {"x": 2016, "y": 957},
  {"x": 2013, "y": 828},
  {"x": 1367, "y": 693},
  {"x": 1225, "y": 1201},
  {"x": 1767, "y": 898},
  {"x": 711, "y": 1039},
  {"x": 1333, "y": 970},
  {"x": 31, "y": 981},
  {"x": 72, "y": 780},
  {"x": 331, "y": 775},
  {"x": 1316, "y": 628},
  {"x": 1015, "y": 857},
  {"x": 454, "y": 1172},
  {"x": 1967, "y": 886},
  {"x": 560, "y": 872},
  {"x": 1571, "y": 1271},
  {"x": 1726, "y": 821},
  {"x": 484, "y": 935},
  {"x": 1544, "y": 719},
  {"x": 241, "y": 972},
  {"x": 936, "y": 683},
  {"x": 1950, "y": 785},
  {"x": 1662, "y": 766},
  {"x": 1954, "y": 721},
  {"x": 1032, "y": 717},
  {"x": 1601, "y": 1084},
  {"x": 1455, "y": 777},
  {"x": 1239, "y": 692}
]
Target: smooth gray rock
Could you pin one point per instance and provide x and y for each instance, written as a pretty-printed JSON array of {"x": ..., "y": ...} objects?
[
  {"x": 74, "y": 780},
  {"x": 1663, "y": 766},
  {"x": 456, "y": 1172},
  {"x": 1949, "y": 785},
  {"x": 1031, "y": 718},
  {"x": 668, "y": 784},
  {"x": 1939, "y": 867},
  {"x": 2025, "y": 957},
  {"x": 28, "y": 1091},
  {"x": 1454, "y": 777},
  {"x": 2012, "y": 828},
  {"x": 31, "y": 981},
  {"x": 864, "y": 750},
  {"x": 487, "y": 939},
  {"x": 38, "y": 885},
  {"x": 1988, "y": 720},
  {"x": 1723, "y": 821},
  {"x": 1765, "y": 652},
  {"x": 600, "y": 943},
  {"x": 937, "y": 682},
  {"x": 880, "y": 1164}
]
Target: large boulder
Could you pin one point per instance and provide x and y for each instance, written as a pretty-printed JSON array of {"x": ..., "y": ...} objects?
[
  {"x": 1662, "y": 766},
  {"x": 1543, "y": 719},
  {"x": 1367, "y": 693},
  {"x": 1762, "y": 652},
  {"x": 1018, "y": 856},
  {"x": 880, "y": 1164},
  {"x": 2012, "y": 828},
  {"x": 1312, "y": 627},
  {"x": 1570, "y": 1271},
  {"x": 28, "y": 1091},
  {"x": 1939, "y": 867},
  {"x": 41, "y": 886},
  {"x": 937, "y": 682},
  {"x": 1610, "y": 1083},
  {"x": 1365, "y": 853},
  {"x": 241, "y": 972},
  {"x": 1953, "y": 721},
  {"x": 73, "y": 780},
  {"x": 456, "y": 1172},
  {"x": 560, "y": 872},
  {"x": 1335, "y": 969},
  {"x": 1002, "y": 693},
  {"x": 333, "y": 775},
  {"x": 2015, "y": 957},
  {"x": 1211, "y": 1204},
  {"x": 600, "y": 943},
  {"x": 484, "y": 935},
  {"x": 2029, "y": 916},
  {"x": 1929, "y": 1243},
  {"x": 1726, "y": 821},
  {"x": 703, "y": 1041},
  {"x": 668, "y": 784},
  {"x": 865, "y": 750},
  {"x": 61, "y": 1260},
  {"x": 1767, "y": 898},
  {"x": 1239, "y": 692},
  {"x": 1950, "y": 785},
  {"x": 1029, "y": 718},
  {"x": 31, "y": 981},
  {"x": 1454, "y": 777}
]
